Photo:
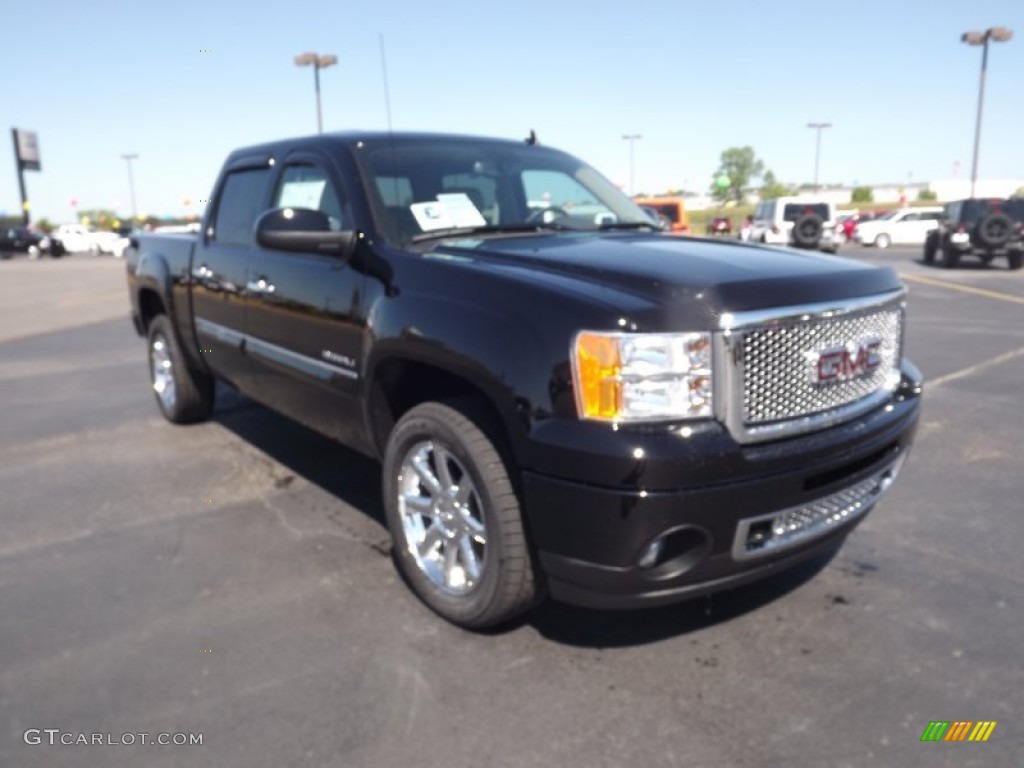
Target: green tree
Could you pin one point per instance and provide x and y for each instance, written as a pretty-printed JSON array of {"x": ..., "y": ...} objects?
[
  {"x": 740, "y": 165},
  {"x": 772, "y": 187},
  {"x": 99, "y": 218},
  {"x": 862, "y": 195},
  {"x": 927, "y": 195}
]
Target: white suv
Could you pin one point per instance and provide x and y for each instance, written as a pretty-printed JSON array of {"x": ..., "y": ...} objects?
[
  {"x": 796, "y": 222},
  {"x": 905, "y": 226}
]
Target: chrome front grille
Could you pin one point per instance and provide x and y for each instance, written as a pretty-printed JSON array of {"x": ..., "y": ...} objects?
[
  {"x": 778, "y": 364},
  {"x": 770, "y": 381}
]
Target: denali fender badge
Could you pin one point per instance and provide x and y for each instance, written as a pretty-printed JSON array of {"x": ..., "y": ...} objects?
[
  {"x": 334, "y": 357},
  {"x": 853, "y": 360}
]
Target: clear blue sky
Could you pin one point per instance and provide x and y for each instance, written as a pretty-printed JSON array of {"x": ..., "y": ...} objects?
[{"x": 96, "y": 80}]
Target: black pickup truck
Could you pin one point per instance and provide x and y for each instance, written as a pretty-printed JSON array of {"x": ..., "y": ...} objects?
[{"x": 566, "y": 401}]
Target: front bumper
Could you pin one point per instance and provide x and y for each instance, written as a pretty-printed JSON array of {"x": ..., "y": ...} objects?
[{"x": 711, "y": 495}]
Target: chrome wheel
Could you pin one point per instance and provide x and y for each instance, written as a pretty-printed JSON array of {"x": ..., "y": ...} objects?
[
  {"x": 442, "y": 518},
  {"x": 162, "y": 370}
]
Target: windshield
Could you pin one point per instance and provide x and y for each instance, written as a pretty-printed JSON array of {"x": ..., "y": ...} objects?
[{"x": 420, "y": 187}]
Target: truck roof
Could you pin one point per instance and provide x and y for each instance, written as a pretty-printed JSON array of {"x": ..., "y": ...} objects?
[{"x": 348, "y": 138}]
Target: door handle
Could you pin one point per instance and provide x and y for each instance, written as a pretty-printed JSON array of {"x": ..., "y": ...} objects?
[{"x": 260, "y": 285}]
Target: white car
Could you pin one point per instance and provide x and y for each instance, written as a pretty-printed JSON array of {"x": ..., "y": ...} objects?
[
  {"x": 81, "y": 239},
  {"x": 796, "y": 222},
  {"x": 904, "y": 226}
]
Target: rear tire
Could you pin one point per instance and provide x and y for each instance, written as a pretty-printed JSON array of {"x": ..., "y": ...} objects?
[
  {"x": 456, "y": 522},
  {"x": 184, "y": 395},
  {"x": 1015, "y": 260}
]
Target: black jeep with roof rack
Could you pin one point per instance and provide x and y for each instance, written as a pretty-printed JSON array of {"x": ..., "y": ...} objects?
[{"x": 985, "y": 228}]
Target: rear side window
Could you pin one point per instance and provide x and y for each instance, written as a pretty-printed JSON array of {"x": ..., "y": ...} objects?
[{"x": 242, "y": 199}]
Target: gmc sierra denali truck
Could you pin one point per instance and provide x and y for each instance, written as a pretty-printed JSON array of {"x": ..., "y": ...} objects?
[{"x": 566, "y": 401}]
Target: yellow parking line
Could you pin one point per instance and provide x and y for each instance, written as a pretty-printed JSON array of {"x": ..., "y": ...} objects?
[
  {"x": 975, "y": 368},
  {"x": 965, "y": 288}
]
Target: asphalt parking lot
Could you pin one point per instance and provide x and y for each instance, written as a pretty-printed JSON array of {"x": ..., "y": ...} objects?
[{"x": 232, "y": 579}]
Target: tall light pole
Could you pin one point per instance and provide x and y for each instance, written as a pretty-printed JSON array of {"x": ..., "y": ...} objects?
[
  {"x": 817, "y": 148},
  {"x": 318, "y": 63},
  {"x": 131, "y": 184},
  {"x": 999, "y": 35},
  {"x": 631, "y": 138}
]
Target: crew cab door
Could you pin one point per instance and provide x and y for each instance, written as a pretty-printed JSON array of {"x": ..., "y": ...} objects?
[
  {"x": 220, "y": 267},
  {"x": 305, "y": 320}
]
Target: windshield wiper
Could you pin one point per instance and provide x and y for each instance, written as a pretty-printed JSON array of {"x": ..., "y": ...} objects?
[
  {"x": 492, "y": 229},
  {"x": 629, "y": 225}
]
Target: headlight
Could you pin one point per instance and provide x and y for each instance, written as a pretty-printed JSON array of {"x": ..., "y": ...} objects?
[{"x": 642, "y": 376}]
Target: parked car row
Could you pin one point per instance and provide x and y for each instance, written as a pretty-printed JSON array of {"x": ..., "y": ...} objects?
[{"x": 29, "y": 241}]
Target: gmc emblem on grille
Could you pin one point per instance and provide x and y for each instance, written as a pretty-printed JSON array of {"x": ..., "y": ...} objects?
[{"x": 856, "y": 359}]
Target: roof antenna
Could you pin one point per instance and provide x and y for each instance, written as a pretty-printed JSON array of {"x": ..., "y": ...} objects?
[
  {"x": 391, "y": 131},
  {"x": 387, "y": 91},
  {"x": 532, "y": 138}
]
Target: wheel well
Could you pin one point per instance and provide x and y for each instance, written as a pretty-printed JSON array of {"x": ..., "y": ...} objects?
[
  {"x": 150, "y": 305},
  {"x": 400, "y": 385}
]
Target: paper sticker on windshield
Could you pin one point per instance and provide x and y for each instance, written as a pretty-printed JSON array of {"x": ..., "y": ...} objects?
[
  {"x": 462, "y": 210},
  {"x": 432, "y": 215}
]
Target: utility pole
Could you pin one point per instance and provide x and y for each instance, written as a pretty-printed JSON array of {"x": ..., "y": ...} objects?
[{"x": 817, "y": 148}]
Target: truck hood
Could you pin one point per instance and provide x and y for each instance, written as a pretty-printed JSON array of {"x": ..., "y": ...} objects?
[{"x": 657, "y": 269}]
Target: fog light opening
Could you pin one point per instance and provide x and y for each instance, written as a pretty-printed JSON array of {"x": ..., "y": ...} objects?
[
  {"x": 674, "y": 552},
  {"x": 649, "y": 557}
]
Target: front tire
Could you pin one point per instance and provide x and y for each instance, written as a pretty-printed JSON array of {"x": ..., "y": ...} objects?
[
  {"x": 456, "y": 522},
  {"x": 184, "y": 395},
  {"x": 930, "y": 247},
  {"x": 883, "y": 241},
  {"x": 950, "y": 257}
]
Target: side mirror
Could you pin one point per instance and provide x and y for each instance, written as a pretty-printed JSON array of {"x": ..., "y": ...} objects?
[{"x": 303, "y": 230}]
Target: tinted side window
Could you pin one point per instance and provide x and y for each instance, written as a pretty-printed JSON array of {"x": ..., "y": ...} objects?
[
  {"x": 306, "y": 186},
  {"x": 241, "y": 201}
]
